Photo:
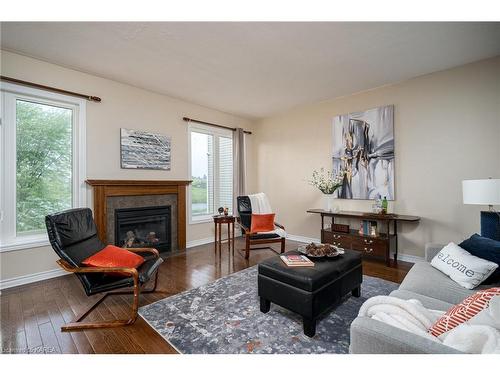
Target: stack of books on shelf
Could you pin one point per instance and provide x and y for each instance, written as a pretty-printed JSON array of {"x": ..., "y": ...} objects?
[
  {"x": 296, "y": 261},
  {"x": 368, "y": 228}
]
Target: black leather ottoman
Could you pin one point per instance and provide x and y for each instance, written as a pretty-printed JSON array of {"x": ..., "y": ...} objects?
[{"x": 309, "y": 291}]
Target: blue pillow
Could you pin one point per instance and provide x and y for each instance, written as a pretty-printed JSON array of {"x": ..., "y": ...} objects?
[{"x": 484, "y": 248}]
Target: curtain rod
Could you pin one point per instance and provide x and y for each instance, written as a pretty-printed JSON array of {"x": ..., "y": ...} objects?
[
  {"x": 61, "y": 91},
  {"x": 187, "y": 119}
]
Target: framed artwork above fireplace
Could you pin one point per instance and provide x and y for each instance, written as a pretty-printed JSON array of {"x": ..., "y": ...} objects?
[{"x": 144, "y": 150}]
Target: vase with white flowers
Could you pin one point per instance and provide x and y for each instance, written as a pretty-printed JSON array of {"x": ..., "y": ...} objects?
[{"x": 327, "y": 182}]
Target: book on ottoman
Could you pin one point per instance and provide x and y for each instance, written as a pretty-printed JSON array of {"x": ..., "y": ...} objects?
[{"x": 293, "y": 260}]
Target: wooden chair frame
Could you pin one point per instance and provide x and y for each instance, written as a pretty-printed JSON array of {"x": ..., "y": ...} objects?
[
  {"x": 249, "y": 242},
  {"x": 77, "y": 323}
]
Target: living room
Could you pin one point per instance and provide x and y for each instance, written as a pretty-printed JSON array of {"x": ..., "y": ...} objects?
[{"x": 250, "y": 187}]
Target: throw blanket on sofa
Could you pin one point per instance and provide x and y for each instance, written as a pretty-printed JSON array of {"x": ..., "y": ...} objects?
[
  {"x": 409, "y": 315},
  {"x": 412, "y": 316}
]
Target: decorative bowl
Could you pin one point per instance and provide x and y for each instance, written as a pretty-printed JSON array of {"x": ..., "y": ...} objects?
[{"x": 319, "y": 250}]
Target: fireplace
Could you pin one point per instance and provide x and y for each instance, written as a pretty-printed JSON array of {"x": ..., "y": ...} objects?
[
  {"x": 110, "y": 195},
  {"x": 144, "y": 227}
]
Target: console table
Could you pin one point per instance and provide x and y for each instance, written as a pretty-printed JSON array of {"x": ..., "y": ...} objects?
[{"x": 379, "y": 246}]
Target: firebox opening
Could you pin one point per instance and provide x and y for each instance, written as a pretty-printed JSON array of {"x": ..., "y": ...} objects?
[{"x": 144, "y": 227}]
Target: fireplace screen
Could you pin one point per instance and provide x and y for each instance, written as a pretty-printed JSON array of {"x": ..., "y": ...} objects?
[{"x": 143, "y": 227}]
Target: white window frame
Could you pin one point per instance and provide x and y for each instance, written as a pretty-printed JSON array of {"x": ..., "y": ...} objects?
[
  {"x": 9, "y": 241},
  {"x": 216, "y": 133}
]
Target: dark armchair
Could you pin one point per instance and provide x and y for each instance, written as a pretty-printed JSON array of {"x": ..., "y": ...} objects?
[
  {"x": 245, "y": 222},
  {"x": 73, "y": 236}
]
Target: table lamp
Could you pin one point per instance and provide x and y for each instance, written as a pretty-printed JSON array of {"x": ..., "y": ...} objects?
[{"x": 485, "y": 192}]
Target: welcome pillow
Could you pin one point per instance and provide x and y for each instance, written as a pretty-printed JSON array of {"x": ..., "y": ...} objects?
[{"x": 467, "y": 270}]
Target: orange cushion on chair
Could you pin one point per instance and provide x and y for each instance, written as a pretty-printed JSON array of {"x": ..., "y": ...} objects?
[
  {"x": 262, "y": 223},
  {"x": 113, "y": 256}
]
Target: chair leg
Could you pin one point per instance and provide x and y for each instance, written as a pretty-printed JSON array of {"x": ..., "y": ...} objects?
[
  {"x": 247, "y": 247},
  {"x": 89, "y": 308},
  {"x": 77, "y": 325},
  {"x": 153, "y": 289},
  {"x": 263, "y": 248}
]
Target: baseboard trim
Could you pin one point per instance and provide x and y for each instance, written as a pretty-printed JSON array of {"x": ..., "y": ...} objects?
[
  {"x": 32, "y": 278},
  {"x": 410, "y": 258},
  {"x": 304, "y": 239},
  {"x": 201, "y": 241}
]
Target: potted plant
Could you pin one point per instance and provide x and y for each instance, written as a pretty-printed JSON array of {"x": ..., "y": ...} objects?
[{"x": 327, "y": 182}]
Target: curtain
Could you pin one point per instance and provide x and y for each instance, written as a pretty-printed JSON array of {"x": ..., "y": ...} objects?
[{"x": 239, "y": 166}]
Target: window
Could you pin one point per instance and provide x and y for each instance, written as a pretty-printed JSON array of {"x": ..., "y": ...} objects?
[
  {"x": 211, "y": 166},
  {"x": 42, "y": 164}
]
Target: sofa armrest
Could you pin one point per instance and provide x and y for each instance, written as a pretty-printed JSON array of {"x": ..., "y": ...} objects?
[
  {"x": 370, "y": 336},
  {"x": 431, "y": 249}
]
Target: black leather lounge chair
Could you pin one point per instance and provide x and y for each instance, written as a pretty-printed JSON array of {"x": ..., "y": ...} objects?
[{"x": 73, "y": 236}]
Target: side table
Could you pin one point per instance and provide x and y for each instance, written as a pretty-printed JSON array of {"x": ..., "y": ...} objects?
[{"x": 219, "y": 220}]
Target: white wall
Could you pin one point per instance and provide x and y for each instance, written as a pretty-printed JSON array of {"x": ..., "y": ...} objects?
[
  {"x": 447, "y": 128},
  {"x": 122, "y": 106}
]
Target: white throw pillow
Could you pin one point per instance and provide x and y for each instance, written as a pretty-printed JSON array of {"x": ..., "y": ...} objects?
[{"x": 466, "y": 269}]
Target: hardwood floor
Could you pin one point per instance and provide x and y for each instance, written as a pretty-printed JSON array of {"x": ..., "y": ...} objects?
[{"x": 31, "y": 315}]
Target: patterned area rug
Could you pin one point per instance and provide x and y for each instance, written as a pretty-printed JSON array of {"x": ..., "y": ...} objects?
[{"x": 224, "y": 317}]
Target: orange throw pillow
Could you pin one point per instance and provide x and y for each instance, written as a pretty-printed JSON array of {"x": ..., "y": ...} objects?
[
  {"x": 113, "y": 256},
  {"x": 465, "y": 310},
  {"x": 262, "y": 223}
]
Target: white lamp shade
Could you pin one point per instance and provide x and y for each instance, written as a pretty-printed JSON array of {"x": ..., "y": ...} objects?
[{"x": 485, "y": 192}]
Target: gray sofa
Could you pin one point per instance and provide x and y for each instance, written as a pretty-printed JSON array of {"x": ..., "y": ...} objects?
[{"x": 423, "y": 282}]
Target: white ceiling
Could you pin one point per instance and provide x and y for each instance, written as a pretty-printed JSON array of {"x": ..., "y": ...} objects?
[{"x": 254, "y": 69}]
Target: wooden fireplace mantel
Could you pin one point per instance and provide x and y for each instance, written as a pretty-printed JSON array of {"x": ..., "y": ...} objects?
[{"x": 114, "y": 188}]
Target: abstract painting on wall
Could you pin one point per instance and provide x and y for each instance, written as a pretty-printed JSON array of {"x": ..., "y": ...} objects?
[
  {"x": 363, "y": 150},
  {"x": 145, "y": 150}
]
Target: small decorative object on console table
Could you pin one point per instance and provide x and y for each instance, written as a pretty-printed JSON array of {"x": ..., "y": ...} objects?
[
  {"x": 379, "y": 246},
  {"x": 485, "y": 192},
  {"x": 384, "y": 206},
  {"x": 327, "y": 182}
]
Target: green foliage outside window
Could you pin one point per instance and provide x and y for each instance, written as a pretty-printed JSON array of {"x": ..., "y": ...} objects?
[
  {"x": 199, "y": 195},
  {"x": 44, "y": 163}
]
